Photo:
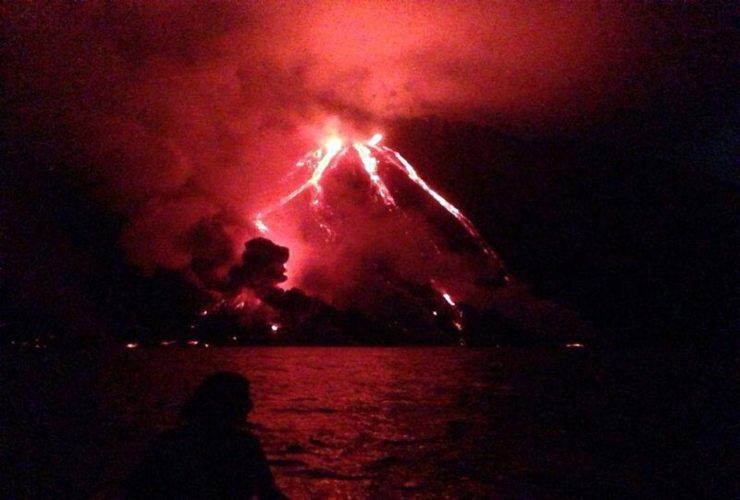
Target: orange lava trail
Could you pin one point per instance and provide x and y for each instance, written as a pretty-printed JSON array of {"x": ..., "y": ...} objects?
[
  {"x": 368, "y": 153},
  {"x": 314, "y": 181},
  {"x": 401, "y": 162},
  {"x": 371, "y": 167}
]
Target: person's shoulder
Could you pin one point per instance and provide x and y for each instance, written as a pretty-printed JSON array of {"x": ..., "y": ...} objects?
[
  {"x": 174, "y": 434},
  {"x": 246, "y": 436},
  {"x": 244, "y": 441},
  {"x": 173, "y": 438}
]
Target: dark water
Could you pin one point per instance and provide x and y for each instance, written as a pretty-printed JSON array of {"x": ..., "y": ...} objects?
[{"x": 391, "y": 423}]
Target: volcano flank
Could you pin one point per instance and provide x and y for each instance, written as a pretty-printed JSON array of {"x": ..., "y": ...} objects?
[{"x": 367, "y": 234}]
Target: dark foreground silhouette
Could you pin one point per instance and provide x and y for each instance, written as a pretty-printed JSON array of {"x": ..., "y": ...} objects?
[{"x": 211, "y": 456}]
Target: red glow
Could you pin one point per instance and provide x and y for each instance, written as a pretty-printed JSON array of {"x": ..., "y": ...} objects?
[
  {"x": 362, "y": 214},
  {"x": 260, "y": 225},
  {"x": 369, "y": 154},
  {"x": 371, "y": 167},
  {"x": 333, "y": 145},
  {"x": 375, "y": 140},
  {"x": 411, "y": 172}
]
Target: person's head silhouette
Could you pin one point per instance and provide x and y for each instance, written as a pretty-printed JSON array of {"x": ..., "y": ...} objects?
[
  {"x": 211, "y": 456},
  {"x": 222, "y": 399}
]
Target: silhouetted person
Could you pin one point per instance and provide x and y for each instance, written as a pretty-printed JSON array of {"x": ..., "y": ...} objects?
[{"x": 211, "y": 456}]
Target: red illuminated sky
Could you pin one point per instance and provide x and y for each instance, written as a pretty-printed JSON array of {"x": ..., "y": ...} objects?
[{"x": 172, "y": 113}]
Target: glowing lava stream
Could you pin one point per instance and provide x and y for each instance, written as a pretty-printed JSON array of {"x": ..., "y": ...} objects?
[
  {"x": 452, "y": 209},
  {"x": 334, "y": 148},
  {"x": 371, "y": 167}
]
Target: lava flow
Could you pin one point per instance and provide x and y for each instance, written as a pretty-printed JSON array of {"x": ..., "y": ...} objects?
[
  {"x": 324, "y": 159},
  {"x": 366, "y": 232}
]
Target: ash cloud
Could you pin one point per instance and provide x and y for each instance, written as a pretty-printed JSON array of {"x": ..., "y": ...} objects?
[
  {"x": 173, "y": 113},
  {"x": 211, "y": 247},
  {"x": 262, "y": 268}
]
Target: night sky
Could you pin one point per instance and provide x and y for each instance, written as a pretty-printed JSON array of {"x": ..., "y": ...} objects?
[{"x": 594, "y": 144}]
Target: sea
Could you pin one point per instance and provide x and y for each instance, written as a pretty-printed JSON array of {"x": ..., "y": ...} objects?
[{"x": 365, "y": 423}]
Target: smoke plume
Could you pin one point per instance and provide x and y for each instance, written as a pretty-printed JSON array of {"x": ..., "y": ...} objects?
[{"x": 183, "y": 117}]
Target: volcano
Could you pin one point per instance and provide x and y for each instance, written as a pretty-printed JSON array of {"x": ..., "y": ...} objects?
[{"x": 367, "y": 233}]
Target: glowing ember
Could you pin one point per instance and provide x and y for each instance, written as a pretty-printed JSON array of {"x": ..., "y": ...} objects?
[
  {"x": 333, "y": 145},
  {"x": 274, "y": 328},
  {"x": 575, "y": 345},
  {"x": 448, "y": 299},
  {"x": 375, "y": 140},
  {"x": 260, "y": 225},
  {"x": 132, "y": 345}
]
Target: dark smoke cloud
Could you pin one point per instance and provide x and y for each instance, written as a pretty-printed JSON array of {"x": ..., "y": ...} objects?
[
  {"x": 173, "y": 113},
  {"x": 211, "y": 247},
  {"x": 261, "y": 269}
]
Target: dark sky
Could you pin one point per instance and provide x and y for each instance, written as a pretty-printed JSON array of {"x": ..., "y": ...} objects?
[{"x": 595, "y": 143}]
